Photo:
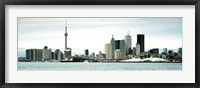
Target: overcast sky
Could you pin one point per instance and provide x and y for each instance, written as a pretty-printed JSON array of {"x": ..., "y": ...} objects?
[{"x": 94, "y": 33}]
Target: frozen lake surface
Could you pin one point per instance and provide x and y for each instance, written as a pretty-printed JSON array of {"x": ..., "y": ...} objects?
[{"x": 80, "y": 66}]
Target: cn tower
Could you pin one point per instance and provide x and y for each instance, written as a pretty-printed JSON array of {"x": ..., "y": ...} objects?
[
  {"x": 65, "y": 36},
  {"x": 67, "y": 50}
]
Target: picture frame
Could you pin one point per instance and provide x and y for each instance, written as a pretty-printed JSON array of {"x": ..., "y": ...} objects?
[{"x": 98, "y": 2}]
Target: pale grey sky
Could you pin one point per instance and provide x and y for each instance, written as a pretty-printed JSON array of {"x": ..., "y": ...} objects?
[{"x": 94, "y": 33}]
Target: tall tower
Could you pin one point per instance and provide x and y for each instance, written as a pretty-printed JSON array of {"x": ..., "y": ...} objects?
[
  {"x": 128, "y": 43},
  {"x": 140, "y": 40},
  {"x": 112, "y": 47},
  {"x": 66, "y": 35},
  {"x": 67, "y": 50}
]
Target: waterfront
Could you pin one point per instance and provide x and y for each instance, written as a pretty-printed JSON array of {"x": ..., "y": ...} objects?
[{"x": 81, "y": 66}]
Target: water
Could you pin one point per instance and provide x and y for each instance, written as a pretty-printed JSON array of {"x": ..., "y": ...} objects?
[{"x": 80, "y": 66}]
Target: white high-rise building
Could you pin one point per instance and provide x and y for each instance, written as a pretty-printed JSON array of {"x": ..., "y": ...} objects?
[
  {"x": 117, "y": 54},
  {"x": 46, "y": 54},
  {"x": 128, "y": 43},
  {"x": 137, "y": 49}
]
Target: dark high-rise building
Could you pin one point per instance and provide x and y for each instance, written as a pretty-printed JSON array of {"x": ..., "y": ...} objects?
[
  {"x": 61, "y": 54},
  {"x": 86, "y": 52},
  {"x": 122, "y": 48},
  {"x": 140, "y": 40},
  {"x": 34, "y": 54},
  {"x": 53, "y": 55},
  {"x": 28, "y": 54},
  {"x": 31, "y": 54},
  {"x": 120, "y": 44},
  {"x": 117, "y": 44},
  {"x": 56, "y": 54}
]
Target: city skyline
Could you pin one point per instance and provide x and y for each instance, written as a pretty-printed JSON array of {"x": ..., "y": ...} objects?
[{"x": 94, "y": 33}]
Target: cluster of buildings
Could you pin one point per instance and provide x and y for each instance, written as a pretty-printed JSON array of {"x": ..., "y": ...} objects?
[
  {"x": 122, "y": 49},
  {"x": 41, "y": 55}
]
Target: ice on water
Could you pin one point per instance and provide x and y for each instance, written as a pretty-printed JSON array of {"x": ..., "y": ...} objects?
[{"x": 80, "y": 66}]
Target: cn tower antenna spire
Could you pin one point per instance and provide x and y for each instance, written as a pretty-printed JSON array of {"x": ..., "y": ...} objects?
[
  {"x": 65, "y": 21},
  {"x": 66, "y": 25}
]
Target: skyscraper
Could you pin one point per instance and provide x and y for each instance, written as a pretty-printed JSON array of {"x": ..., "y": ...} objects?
[
  {"x": 46, "y": 54},
  {"x": 34, "y": 54},
  {"x": 53, "y": 56},
  {"x": 137, "y": 49},
  {"x": 28, "y": 54},
  {"x": 128, "y": 43},
  {"x": 31, "y": 54},
  {"x": 86, "y": 52},
  {"x": 112, "y": 47},
  {"x": 117, "y": 44},
  {"x": 56, "y": 54},
  {"x": 122, "y": 48},
  {"x": 107, "y": 50},
  {"x": 120, "y": 44},
  {"x": 39, "y": 54},
  {"x": 134, "y": 51},
  {"x": 60, "y": 56},
  {"x": 140, "y": 40}
]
